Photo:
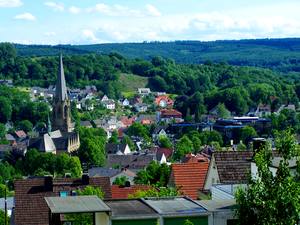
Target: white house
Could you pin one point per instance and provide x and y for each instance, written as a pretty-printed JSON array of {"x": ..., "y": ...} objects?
[
  {"x": 83, "y": 103},
  {"x": 123, "y": 101},
  {"x": 141, "y": 107},
  {"x": 109, "y": 104},
  {"x": 144, "y": 91}
]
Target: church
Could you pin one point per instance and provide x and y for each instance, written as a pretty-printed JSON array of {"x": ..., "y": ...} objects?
[{"x": 61, "y": 139}]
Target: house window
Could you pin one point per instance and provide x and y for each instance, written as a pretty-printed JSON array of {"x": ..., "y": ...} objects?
[{"x": 63, "y": 193}]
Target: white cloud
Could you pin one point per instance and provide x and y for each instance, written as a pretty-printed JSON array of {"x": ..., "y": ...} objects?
[
  {"x": 56, "y": 7},
  {"x": 125, "y": 11},
  {"x": 151, "y": 11},
  {"x": 100, "y": 8},
  {"x": 50, "y": 33},
  {"x": 88, "y": 34},
  {"x": 20, "y": 42},
  {"x": 74, "y": 10},
  {"x": 10, "y": 3},
  {"x": 25, "y": 16}
]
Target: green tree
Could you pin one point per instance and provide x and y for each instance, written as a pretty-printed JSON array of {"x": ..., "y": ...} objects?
[
  {"x": 246, "y": 132},
  {"x": 85, "y": 218},
  {"x": 2, "y": 130},
  {"x": 127, "y": 140},
  {"x": 241, "y": 146},
  {"x": 271, "y": 198},
  {"x": 222, "y": 111},
  {"x": 4, "y": 141},
  {"x": 137, "y": 129},
  {"x": 196, "y": 144},
  {"x": 26, "y": 126},
  {"x": 153, "y": 192},
  {"x": 153, "y": 174},
  {"x": 5, "y": 109},
  {"x": 113, "y": 140},
  {"x": 164, "y": 142},
  {"x": 2, "y": 217},
  {"x": 120, "y": 181},
  {"x": 31, "y": 159},
  {"x": 183, "y": 147}
]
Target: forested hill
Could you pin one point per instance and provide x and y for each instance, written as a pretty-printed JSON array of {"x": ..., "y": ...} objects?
[
  {"x": 279, "y": 55},
  {"x": 239, "y": 87}
]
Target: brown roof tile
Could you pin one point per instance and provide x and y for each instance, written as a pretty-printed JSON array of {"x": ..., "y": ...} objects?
[
  {"x": 120, "y": 191},
  {"x": 232, "y": 165},
  {"x": 30, "y": 206},
  {"x": 191, "y": 176},
  {"x": 168, "y": 152}
]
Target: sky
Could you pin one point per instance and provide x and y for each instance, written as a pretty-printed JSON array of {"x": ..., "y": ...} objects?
[{"x": 118, "y": 21}]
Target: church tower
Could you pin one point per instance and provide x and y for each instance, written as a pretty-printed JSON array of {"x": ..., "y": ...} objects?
[{"x": 61, "y": 108}]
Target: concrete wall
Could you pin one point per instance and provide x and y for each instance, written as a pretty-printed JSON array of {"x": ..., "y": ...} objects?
[{"x": 101, "y": 218}]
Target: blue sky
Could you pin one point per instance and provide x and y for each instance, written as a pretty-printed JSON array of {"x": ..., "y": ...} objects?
[{"x": 116, "y": 21}]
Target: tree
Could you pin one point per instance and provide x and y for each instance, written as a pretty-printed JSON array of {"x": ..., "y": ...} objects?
[
  {"x": 183, "y": 147},
  {"x": 153, "y": 192},
  {"x": 2, "y": 217},
  {"x": 113, "y": 140},
  {"x": 31, "y": 159},
  {"x": 85, "y": 218},
  {"x": 5, "y": 109},
  {"x": 164, "y": 142},
  {"x": 271, "y": 198},
  {"x": 241, "y": 146},
  {"x": 127, "y": 140},
  {"x": 154, "y": 174},
  {"x": 196, "y": 144},
  {"x": 246, "y": 132},
  {"x": 2, "y": 130},
  {"x": 4, "y": 141},
  {"x": 26, "y": 126},
  {"x": 137, "y": 129},
  {"x": 222, "y": 111},
  {"x": 120, "y": 181}
]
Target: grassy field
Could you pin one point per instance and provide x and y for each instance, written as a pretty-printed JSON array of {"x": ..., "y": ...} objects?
[{"x": 131, "y": 82}]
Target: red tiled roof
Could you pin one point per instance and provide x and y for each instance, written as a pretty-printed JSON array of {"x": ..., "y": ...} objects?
[
  {"x": 120, "y": 191},
  {"x": 168, "y": 152},
  {"x": 191, "y": 176},
  {"x": 164, "y": 97},
  {"x": 127, "y": 121},
  {"x": 146, "y": 121},
  {"x": 30, "y": 205},
  {"x": 169, "y": 112},
  {"x": 20, "y": 133}
]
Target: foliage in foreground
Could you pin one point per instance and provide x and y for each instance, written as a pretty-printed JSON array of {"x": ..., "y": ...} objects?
[{"x": 272, "y": 198}]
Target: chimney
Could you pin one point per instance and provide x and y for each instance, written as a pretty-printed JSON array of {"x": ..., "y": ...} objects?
[
  {"x": 258, "y": 144},
  {"x": 85, "y": 179},
  {"x": 48, "y": 183},
  {"x": 127, "y": 184}
]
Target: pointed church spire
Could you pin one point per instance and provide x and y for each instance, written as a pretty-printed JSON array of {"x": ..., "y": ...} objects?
[{"x": 61, "y": 89}]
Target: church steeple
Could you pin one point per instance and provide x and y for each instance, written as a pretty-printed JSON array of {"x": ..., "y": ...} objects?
[
  {"x": 61, "y": 108},
  {"x": 49, "y": 126},
  {"x": 61, "y": 89}
]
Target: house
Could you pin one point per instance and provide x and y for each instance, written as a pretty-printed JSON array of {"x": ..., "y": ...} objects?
[
  {"x": 73, "y": 91},
  {"x": 168, "y": 115},
  {"x": 157, "y": 94},
  {"x": 11, "y": 139},
  {"x": 260, "y": 111},
  {"x": 104, "y": 98},
  {"x": 191, "y": 176},
  {"x": 86, "y": 124},
  {"x": 160, "y": 130},
  {"x": 18, "y": 149},
  {"x": 214, "y": 111},
  {"x": 112, "y": 173},
  {"x": 123, "y": 101},
  {"x": 84, "y": 105},
  {"x": 110, "y": 123},
  {"x": 8, "y": 125},
  {"x": 141, "y": 107},
  {"x": 91, "y": 89},
  {"x": 161, "y": 158},
  {"x": 10, "y": 204},
  {"x": 146, "y": 122},
  {"x": 144, "y": 91},
  {"x": 19, "y": 134},
  {"x": 34, "y": 90},
  {"x": 127, "y": 122},
  {"x": 123, "y": 173},
  {"x": 98, "y": 123},
  {"x": 168, "y": 152},
  {"x": 143, "y": 117},
  {"x": 7, "y": 82},
  {"x": 163, "y": 101},
  {"x": 134, "y": 101},
  {"x": 227, "y": 168},
  {"x": 291, "y": 107},
  {"x": 30, "y": 205},
  {"x": 109, "y": 104},
  {"x": 135, "y": 161},
  {"x": 117, "y": 149}
]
